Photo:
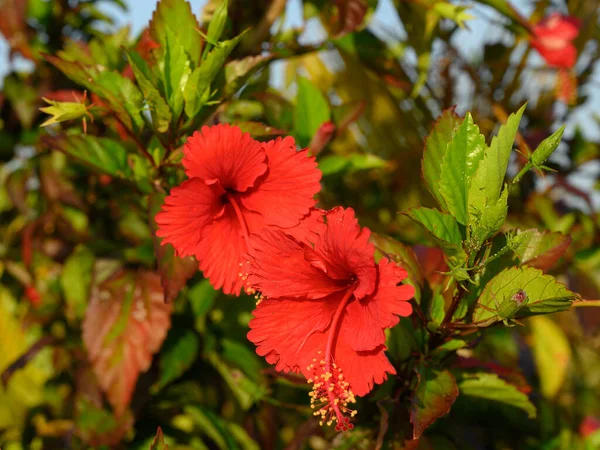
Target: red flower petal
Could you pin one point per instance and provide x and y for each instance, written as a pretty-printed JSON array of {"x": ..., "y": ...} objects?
[
  {"x": 284, "y": 331},
  {"x": 558, "y": 26},
  {"x": 223, "y": 153},
  {"x": 277, "y": 267},
  {"x": 186, "y": 213},
  {"x": 562, "y": 58},
  {"x": 345, "y": 250},
  {"x": 366, "y": 318},
  {"x": 310, "y": 227},
  {"x": 295, "y": 346},
  {"x": 221, "y": 248},
  {"x": 285, "y": 194}
]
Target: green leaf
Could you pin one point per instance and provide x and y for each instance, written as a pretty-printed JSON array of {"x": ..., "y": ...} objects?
[
  {"x": 238, "y": 354},
  {"x": 457, "y": 13},
  {"x": 202, "y": 298},
  {"x": 176, "y": 72},
  {"x": 102, "y": 154},
  {"x": 541, "y": 249},
  {"x": 176, "y": 16},
  {"x": 437, "y": 311},
  {"x": 463, "y": 154},
  {"x": 442, "y": 226},
  {"x": 63, "y": 111},
  {"x": 366, "y": 161},
  {"x": 159, "y": 109},
  {"x": 552, "y": 354},
  {"x": 216, "y": 25},
  {"x": 331, "y": 164},
  {"x": 212, "y": 426},
  {"x": 245, "y": 390},
  {"x": 400, "y": 253},
  {"x": 237, "y": 72},
  {"x": 435, "y": 150},
  {"x": 75, "y": 280},
  {"x": 487, "y": 184},
  {"x": 545, "y": 294},
  {"x": 177, "y": 355},
  {"x": 433, "y": 398},
  {"x": 159, "y": 441},
  {"x": 489, "y": 386},
  {"x": 196, "y": 91},
  {"x": 312, "y": 110}
]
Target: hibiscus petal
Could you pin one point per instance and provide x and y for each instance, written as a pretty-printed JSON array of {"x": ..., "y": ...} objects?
[
  {"x": 563, "y": 58},
  {"x": 186, "y": 213},
  {"x": 310, "y": 227},
  {"x": 558, "y": 26},
  {"x": 285, "y": 194},
  {"x": 289, "y": 332},
  {"x": 346, "y": 250},
  {"x": 223, "y": 153},
  {"x": 277, "y": 267},
  {"x": 362, "y": 370},
  {"x": 220, "y": 252},
  {"x": 366, "y": 319}
]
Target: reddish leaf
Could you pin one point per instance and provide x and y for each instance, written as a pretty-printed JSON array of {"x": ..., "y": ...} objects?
[
  {"x": 13, "y": 25},
  {"x": 541, "y": 249},
  {"x": 174, "y": 271},
  {"x": 351, "y": 15},
  {"x": 125, "y": 324},
  {"x": 435, "y": 394},
  {"x": 159, "y": 441},
  {"x": 433, "y": 263}
]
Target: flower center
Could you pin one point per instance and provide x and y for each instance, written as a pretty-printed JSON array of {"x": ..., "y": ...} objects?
[{"x": 331, "y": 393}]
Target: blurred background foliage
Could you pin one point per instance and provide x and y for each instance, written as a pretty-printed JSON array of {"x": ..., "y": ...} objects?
[{"x": 90, "y": 354}]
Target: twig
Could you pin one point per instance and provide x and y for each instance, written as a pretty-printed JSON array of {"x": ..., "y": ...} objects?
[
  {"x": 141, "y": 147},
  {"x": 24, "y": 359}
]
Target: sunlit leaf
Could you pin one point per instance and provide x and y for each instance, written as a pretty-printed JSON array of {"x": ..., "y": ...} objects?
[
  {"x": 176, "y": 16},
  {"x": 435, "y": 149},
  {"x": 433, "y": 398},
  {"x": 312, "y": 109},
  {"x": 463, "y": 155},
  {"x": 489, "y": 386},
  {"x": 541, "y": 249},
  {"x": 442, "y": 226},
  {"x": 552, "y": 354},
  {"x": 124, "y": 326},
  {"x": 544, "y": 293}
]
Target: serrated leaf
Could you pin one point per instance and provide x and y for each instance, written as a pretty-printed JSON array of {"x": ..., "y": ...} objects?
[
  {"x": 545, "y": 294},
  {"x": 551, "y": 352},
  {"x": 312, "y": 110},
  {"x": 159, "y": 441},
  {"x": 75, "y": 280},
  {"x": 174, "y": 271},
  {"x": 196, "y": 91},
  {"x": 176, "y": 72},
  {"x": 463, "y": 155},
  {"x": 119, "y": 92},
  {"x": 101, "y": 154},
  {"x": 177, "y": 355},
  {"x": 487, "y": 183},
  {"x": 125, "y": 324},
  {"x": 435, "y": 150},
  {"x": 176, "y": 16},
  {"x": 159, "y": 109},
  {"x": 433, "y": 398},
  {"x": 442, "y": 226},
  {"x": 541, "y": 249},
  {"x": 489, "y": 386}
]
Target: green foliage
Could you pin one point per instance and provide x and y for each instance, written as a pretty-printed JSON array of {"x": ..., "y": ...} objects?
[{"x": 106, "y": 334}]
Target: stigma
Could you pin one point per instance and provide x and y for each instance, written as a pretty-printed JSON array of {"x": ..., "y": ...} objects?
[{"x": 331, "y": 395}]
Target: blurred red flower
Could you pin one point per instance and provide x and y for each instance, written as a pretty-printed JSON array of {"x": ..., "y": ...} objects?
[
  {"x": 553, "y": 39},
  {"x": 237, "y": 186},
  {"x": 325, "y": 309}
]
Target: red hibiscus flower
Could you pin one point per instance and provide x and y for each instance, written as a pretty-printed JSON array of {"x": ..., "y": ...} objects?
[
  {"x": 325, "y": 309},
  {"x": 237, "y": 186},
  {"x": 553, "y": 39}
]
